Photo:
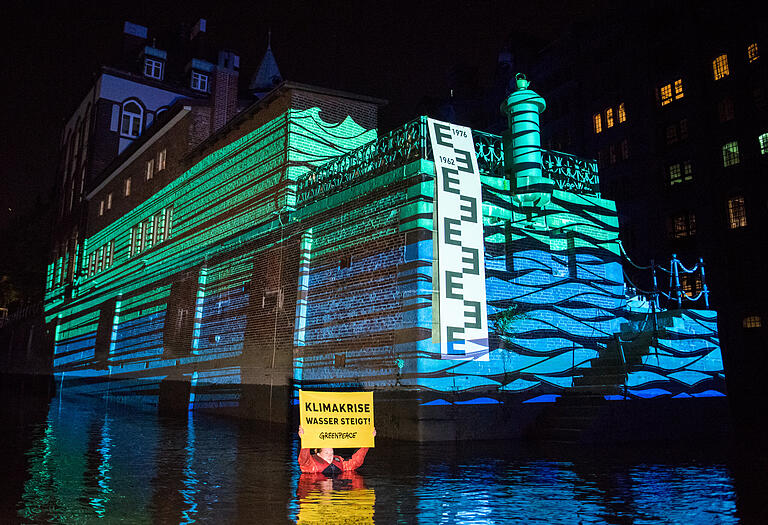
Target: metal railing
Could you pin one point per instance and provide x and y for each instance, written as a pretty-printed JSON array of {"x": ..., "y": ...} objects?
[{"x": 411, "y": 142}]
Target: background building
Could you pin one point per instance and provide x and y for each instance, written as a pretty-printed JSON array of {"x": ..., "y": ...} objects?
[{"x": 670, "y": 98}]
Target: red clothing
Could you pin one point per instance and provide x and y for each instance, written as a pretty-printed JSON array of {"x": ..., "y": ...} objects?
[{"x": 314, "y": 463}]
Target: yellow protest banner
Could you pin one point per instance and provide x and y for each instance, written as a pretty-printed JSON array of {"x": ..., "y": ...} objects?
[{"x": 336, "y": 419}]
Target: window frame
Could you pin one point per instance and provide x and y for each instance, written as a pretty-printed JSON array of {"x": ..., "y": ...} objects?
[
  {"x": 200, "y": 82},
  {"x": 720, "y": 67},
  {"x": 153, "y": 68},
  {"x": 731, "y": 155},
  {"x": 737, "y": 214},
  {"x": 133, "y": 119}
]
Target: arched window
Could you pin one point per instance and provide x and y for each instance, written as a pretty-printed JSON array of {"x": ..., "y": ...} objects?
[{"x": 131, "y": 122}]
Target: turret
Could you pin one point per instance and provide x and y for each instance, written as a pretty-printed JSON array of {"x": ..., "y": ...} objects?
[{"x": 522, "y": 147}]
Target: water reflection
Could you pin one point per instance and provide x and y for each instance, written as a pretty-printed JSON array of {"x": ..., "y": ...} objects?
[
  {"x": 99, "y": 461},
  {"x": 343, "y": 499}
]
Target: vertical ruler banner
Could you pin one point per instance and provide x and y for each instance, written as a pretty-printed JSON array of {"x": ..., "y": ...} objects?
[{"x": 460, "y": 250}]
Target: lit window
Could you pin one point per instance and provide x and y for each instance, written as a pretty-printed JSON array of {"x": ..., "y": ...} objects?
[
  {"x": 161, "y": 160},
  {"x": 622, "y": 113},
  {"x": 109, "y": 201},
  {"x": 101, "y": 208},
  {"x": 675, "y": 174},
  {"x": 153, "y": 68},
  {"x": 752, "y": 321},
  {"x": 131, "y": 122},
  {"x": 690, "y": 283},
  {"x": 609, "y": 118},
  {"x": 666, "y": 94},
  {"x": 737, "y": 215},
  {"x": 597, "y": 120},
  {"x": 720, "y": 67},
  {"x": 763, "y": 140},
  {"x": 725, "y": 110},
  {"x": 752, "y": 52},
  {"x": 624, "y": 145},
  {"x": 127, "y": 187},
  {"x": 199, "y": 82},
  {"x": 150, "y": 168},
  {"x": 731, "y": 154},
  {"x": 682, "y": 225},
  {"x": 679, "y": 89},
  {"x": 687, "y": 171}
]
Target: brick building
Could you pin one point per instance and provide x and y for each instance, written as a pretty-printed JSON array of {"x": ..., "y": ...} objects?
[{"x": 223, "y": 268}]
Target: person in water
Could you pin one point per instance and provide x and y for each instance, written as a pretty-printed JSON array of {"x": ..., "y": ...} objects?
[{"x": 325, "y": 462}]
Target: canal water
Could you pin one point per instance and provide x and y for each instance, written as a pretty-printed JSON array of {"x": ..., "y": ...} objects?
[{"x": 88, "y": 461}]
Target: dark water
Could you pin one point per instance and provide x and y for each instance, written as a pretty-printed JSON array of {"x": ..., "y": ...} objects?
[{"x": 78, "y": 461}]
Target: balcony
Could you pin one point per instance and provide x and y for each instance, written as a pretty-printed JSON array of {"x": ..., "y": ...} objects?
[{"x": 410, "y": 142}]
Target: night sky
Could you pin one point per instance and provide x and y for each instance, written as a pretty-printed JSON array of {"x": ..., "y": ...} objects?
[{"x": 396, "y": 51}]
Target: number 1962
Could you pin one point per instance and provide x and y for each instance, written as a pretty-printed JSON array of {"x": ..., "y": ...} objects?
[{"x": 446, "y": 160}]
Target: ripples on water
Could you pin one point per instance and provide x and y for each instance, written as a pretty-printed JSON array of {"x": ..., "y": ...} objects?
[{"x": 76, "y": 461}]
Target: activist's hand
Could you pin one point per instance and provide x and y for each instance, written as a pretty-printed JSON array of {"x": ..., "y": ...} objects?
[
  {"x": 374, "y": 431},
  {"x": 301, "y": 431}
]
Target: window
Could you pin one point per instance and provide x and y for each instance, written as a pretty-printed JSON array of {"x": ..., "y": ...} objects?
[
  {"x": 666, "y": 94},
  {"x": 675, "y": 174},
  {"x": 720, "y": 67},
  {"x": 161, "y": 160},
  {"x": 672, "y": 134},
  {"x": 731, "y": 154},
  {"x": 672, "y": 91},
  {"x": 624, "y": 146},
  {"x": 752, "y": 321},
  {"x": 609, "y": 118},
  {"x": 131, "y": 122},
  {"x": 758, "y": 96},
  {"x": 150, "y": 168},
  {"x": 683, "y": 126},
  {"x": 725, "y": 110},
  {"x": 109, "y": 201},
  {"x": 153, "y": 68},
  {"x": 127, "y": 187},
  {"x": 752, "y": 52},
  {"x": 690, "y": 284},
  {"x": 622, "y": 113},
  {"x": 199, "y": 82},
  {"x": 109, "y": 254},
  {"x": 679, "y": 89},
  {"x": 168, "y": 221},
  {"x": 737, "y": 215},
  {"x": 597, "y": 121},
  {"x": 682, "y": 225},
  {"x": 101, "y": 208},
  {"x": 612, "y": 153},
  {"x": 763, "y": 140},
  {"x": 679, "y": 172}
]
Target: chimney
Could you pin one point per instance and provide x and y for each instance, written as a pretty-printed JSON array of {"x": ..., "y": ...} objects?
[
  {"x": 134, "y": 39},
  {"x": 522, "y": 147},
  {"x": 224, "y": 92}
]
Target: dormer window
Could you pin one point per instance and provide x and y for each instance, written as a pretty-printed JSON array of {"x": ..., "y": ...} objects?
[
  {"x": 199, "y": 82},
  {"x": 153, "y": 68},
  {"x": 130, "y": 123}
]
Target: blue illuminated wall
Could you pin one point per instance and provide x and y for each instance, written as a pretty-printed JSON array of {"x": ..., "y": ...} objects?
[{"x": 301, "y": 255}]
